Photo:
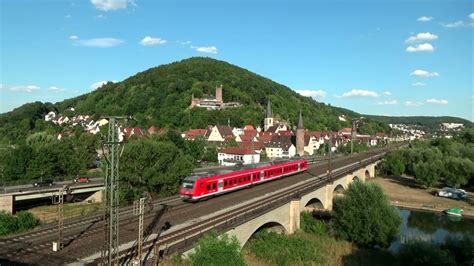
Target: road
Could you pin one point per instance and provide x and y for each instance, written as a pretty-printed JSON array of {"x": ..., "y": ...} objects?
[{"x": 30, "y": 187}]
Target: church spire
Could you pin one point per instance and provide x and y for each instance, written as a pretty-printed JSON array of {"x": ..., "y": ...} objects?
[
  {"x": 300, "y": 121},
  {"x": 269, "y": 109}
]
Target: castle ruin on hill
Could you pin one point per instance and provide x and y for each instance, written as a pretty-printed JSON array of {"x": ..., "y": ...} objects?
[{"x": 213, "y": 103}]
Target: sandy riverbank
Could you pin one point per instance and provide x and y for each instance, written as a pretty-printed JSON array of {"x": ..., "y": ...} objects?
[{"x": 405, "y": 192}]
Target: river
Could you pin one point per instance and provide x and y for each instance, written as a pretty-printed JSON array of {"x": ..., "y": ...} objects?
[{"x": 432, "y": 227}]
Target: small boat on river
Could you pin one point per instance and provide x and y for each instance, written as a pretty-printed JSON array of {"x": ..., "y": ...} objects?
[{"x": 454, "y": 211}]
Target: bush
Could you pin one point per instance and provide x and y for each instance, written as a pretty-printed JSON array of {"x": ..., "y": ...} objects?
[
  {"x": 422, "y": 253},
  {"x": 311, "y": 225},
  {"x": 365, "y": 217},
  {"x": 8, "y": 224},
  {"x": 26, "y": 220},
  {"x": 23, "y": 221},
  {"x": 217, "y": 250},
  {"x": 285, "y": 250}
]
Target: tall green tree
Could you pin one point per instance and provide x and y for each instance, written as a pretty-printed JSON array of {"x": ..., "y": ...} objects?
[
  {"x": 154, "y": 166},
  {"x": 365, "y": 217},
  {"x": 394, "y": 163},
  {"x": 428, "y": 173}
]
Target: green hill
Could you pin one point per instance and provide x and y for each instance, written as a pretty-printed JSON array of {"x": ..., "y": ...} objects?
[{"x": 161, "y": 96}]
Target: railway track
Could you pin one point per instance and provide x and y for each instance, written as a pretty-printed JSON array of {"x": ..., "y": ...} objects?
[{"x": 84, "y": 236}]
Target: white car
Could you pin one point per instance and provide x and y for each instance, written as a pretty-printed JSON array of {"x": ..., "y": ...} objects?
[{"x": 452, "y": 193}]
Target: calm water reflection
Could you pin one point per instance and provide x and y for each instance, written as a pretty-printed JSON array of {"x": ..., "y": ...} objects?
[{"x": 430, "y": 226}]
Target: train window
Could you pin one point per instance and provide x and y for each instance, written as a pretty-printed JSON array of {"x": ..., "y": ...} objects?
[
  {"x": 208, "y": 187},
  {"x": 214, "y": 186},
  {"x": 240, "y": 179},
  {"x": 225, "y": 182}
]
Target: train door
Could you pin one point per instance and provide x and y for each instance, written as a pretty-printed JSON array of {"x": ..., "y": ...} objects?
[
  {"x": 220, "y": 185},
  {"x": 299, "y": 167},
  {"x": 262, "y": 175}
]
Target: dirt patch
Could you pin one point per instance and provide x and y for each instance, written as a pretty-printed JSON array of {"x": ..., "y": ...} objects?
[{"x": 405, "y": 192}]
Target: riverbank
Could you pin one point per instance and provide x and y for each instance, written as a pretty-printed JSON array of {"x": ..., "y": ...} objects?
[{"x": 404, "y": 192}]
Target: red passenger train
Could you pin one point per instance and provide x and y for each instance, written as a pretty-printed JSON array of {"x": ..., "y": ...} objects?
[{"x": 198, "y": 187}]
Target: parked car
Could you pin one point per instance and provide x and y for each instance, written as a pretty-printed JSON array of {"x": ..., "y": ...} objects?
[
  {"x": 453, "y": 193},
  {"x": 43, "y": 183},
  {"x": 82, "y": 179}
]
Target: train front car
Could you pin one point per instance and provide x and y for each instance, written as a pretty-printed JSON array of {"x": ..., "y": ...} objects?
[{"x": 187, "y": 189}]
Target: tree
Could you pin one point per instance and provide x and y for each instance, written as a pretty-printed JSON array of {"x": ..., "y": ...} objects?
[
  {"x": 458, "y": 171},
  {"x": 154, "y": 166},
  {"x": 427, "y": 173},
  {"x": 394, "y": 163},
  {"x": 216, "y": 250},
  {"x": 365, "y": 217}
]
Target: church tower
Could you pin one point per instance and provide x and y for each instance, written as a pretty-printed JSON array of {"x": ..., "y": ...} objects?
[
  {"x": 268, "y": 121},
  {"x": 300, "y": 136}
]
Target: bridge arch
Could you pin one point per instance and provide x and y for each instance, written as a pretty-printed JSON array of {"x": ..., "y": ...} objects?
[
  {"x": 355, "y": 179},
  {"x": 271, "y": 226},
  {"x": 314, "y": 204},
  {"x": 339, "y": 189},
  {"x": 367, "y": 174}
]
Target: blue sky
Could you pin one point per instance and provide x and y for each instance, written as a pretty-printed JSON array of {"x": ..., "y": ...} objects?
[{"x": 374, "y": 57}]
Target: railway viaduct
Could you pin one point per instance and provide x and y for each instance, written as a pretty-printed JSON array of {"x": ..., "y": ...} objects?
[{"x": 286, "y": 218}]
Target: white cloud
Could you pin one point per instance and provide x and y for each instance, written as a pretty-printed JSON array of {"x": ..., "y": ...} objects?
[
  {"x": 424, "y": 47},
  {"x": 424, "y": 73},
  {"x": 418, "y": 84},
  {"x": 150, "y": 41},
  {"x": 387, "y": 93},
  {"x": 99, "y": 84},
  {"x": 107, "y": 5},
  {"x": 205, "y": 49},
  {"x": 391, "y": 102},
  {"x": 436, "y": 101},
  {"x": 413, "y": 104},
  {"x": 68, "y": 16},
  {"x": 455, "y": 24},
  {"x": 317, "y": 94},
  {"x": 471, "y": 16},
  {"x": 56, "y": 89},
  {"x": 73, "y": 37},
  {"x": 97, "y": 42},
  {"x": 422, "y": 37},
  {"x": 360, "y": 93},
  {"x": 27, "y": 88},
  {"x": 425, "y": 19}
]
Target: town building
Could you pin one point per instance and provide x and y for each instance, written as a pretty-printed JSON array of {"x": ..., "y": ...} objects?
[
  {"x": 237, "y": 155},
  {"x": 300, "y": 137}
]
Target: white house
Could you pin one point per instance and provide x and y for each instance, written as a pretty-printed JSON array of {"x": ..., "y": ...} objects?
[
  {"x": 236, "y": 155},
  {"x": 50, "y": 116}
]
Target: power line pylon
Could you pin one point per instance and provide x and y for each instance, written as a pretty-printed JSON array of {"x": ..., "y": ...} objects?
[
  {"x": 139, "y": 210},
  {"x": 111, "y": 215},
  {"x": 58, "y": 199}
]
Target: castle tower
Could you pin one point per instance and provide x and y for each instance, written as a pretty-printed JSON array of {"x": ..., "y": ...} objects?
[
  {"x": 268, "y": 121},
  {"x": 219, "y": 94},
  {"x": 300, "y": 136},
  {"x": 193, "y": 101}
]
